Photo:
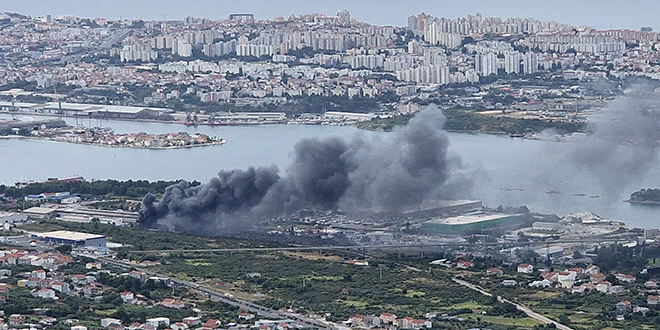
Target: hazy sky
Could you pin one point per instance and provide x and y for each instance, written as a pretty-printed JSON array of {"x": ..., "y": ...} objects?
[{"x": 631, "y": 14}]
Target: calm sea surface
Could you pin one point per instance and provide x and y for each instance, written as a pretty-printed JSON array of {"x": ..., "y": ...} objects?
[{"x": 504, "y": 171}]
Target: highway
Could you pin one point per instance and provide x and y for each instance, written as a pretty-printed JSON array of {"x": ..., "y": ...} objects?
[
  {"x": 114, "y": 38},
  {"x": 381, "y": 246},
  {"x": 226, "y": 298}
]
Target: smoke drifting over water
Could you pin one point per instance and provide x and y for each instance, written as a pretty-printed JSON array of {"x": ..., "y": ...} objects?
[
  {"x": 623, "y": 142},
  {"x": 354, "y": 175},
  {"x": 613, "y": 159}
]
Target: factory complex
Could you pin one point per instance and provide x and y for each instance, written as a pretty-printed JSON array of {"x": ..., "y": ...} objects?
[
  {"x": 83, "y": 215},
  {"x": 471, "y": 223},
  {"x": 86, "y": 110},
  {"x": 434, "y": 208}
]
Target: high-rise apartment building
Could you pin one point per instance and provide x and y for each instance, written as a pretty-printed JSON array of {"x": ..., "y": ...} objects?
[
  {"x": 486, "y": 64},
  {"x": 512, "y": 62}
]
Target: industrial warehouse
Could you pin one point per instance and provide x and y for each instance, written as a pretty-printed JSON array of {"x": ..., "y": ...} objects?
[
  {"x": 86, "y": 110},
  {"x": 435, "y": 208},
  {"x": 72, "y": 238},
  {"x": 471, "y": 223},
  {"x": 83, "y": 215}
]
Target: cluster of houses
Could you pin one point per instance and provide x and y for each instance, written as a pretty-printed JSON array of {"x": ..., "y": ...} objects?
[
  {"x": 577, "y": 280},
  {"x": 625, "y": 307},
  {"x": 62, "y": 197},
  {"x": 590, "y": 279},
  {"x": 196, "y": 323},
  {"x": 14, "y": 320},
  {"x": 46, "y": 285},
  {"x": 387, "y": 320},
  {"x": 45, "y": 260},
  {"x": 139, "y": 140},
  {"x": 191, "y": 322}
]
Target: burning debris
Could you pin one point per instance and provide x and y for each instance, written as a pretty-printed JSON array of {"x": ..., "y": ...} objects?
[{"x": 334, "y": 173}]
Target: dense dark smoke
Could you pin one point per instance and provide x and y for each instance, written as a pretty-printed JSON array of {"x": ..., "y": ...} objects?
[
  {"x": 354, "y": 175},
  {"x": 228, "y": 193}
]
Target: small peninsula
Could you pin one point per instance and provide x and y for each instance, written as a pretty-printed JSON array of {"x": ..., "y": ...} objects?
[
  {"x": 58, "y": 130},
  {"x": 645, "y": 196}
]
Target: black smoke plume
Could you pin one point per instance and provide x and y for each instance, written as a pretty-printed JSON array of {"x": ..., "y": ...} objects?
[{"x": 354, "y": 175}]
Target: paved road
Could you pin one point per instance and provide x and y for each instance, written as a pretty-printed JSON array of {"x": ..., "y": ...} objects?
[
  {"x": 116, "y": 36},
  {"x": 520, "y": 307},
  {"x": 228, "y": 299}
]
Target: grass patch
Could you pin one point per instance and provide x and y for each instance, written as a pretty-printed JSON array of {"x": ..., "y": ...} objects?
[
  {"x": 323, "y": 278},
  {"x": 524, "y": 322},
  {"x": 543, "y": 295},
  {"x": 313, "y": 256},
  {"x": 194, "y": 262},
  {"x": 414, "y": 294},
  {"x": 468, "y": 304},
  {"x": 353, "y": 303}
]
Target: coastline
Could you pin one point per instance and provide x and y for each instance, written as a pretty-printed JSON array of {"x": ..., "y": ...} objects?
[
  {"x": 20, "y": 137},
  {"x": 636, "y": 202},
  {"x": 139, "y": 120},
  {"x": 528, "y": 136}
]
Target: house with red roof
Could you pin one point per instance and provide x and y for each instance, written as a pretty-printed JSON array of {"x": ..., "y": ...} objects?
[
  {"x": 172, "y": 303},
  {"x": 464, "y": 264},
  {"x": 211, "y": 324},
  {"x": 387, "y": 318},
  {"x": 525, "y": 268},
  {"x": 494, "y": 271}
]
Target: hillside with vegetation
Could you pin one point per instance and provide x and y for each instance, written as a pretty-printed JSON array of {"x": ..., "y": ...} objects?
[
  {"x": 645, "y": 196},
  {"x": 462, "y": 120}
]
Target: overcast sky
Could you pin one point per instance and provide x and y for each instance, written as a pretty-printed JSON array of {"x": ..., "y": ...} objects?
[{"x": 603, "y": 14}]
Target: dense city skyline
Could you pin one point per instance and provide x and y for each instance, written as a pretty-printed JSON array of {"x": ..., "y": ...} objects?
[{"x": 601, "y": 14}]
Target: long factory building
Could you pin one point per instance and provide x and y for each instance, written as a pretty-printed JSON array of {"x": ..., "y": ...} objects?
[
  {"x": 471, "y": 223},
  {"x": 84, "y": 215},
  {"x": 72, "y": 238}
]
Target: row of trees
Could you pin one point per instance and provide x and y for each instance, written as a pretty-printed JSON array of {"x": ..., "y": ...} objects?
[{"x": 129, "y": 188}]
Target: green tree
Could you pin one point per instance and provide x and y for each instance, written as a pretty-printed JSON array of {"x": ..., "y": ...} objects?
[{"x": 64, "y": 249}]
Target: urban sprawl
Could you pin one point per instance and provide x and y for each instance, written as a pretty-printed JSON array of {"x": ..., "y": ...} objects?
[{"x": 313, "y": 68}]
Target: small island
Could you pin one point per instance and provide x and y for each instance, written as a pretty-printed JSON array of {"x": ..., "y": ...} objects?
[{"x": 645, "y": 196}]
